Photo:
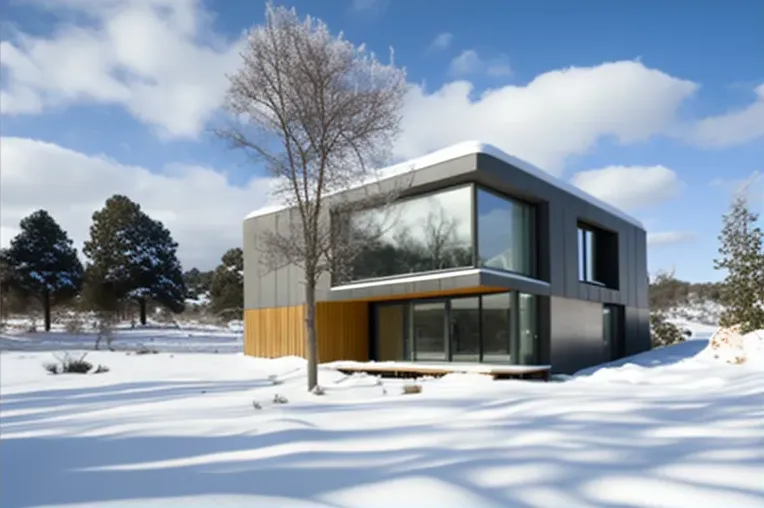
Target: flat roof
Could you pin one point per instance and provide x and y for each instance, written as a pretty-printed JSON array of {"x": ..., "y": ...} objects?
[{"x": 474, "y": 148}]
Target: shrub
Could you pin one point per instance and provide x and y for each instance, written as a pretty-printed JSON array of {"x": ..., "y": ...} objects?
[
  {"x": 51, "y": 367},
  {"x": 145, "y": 350},
  {"x": 75, "y": 326},
  {"x": 411, "y": 389},
  {"x": 665, "y": 333},
  {"x": 279, "y": 399},
  {"x": 67, "y": 364},
  {"x": 101, "y": 369}
]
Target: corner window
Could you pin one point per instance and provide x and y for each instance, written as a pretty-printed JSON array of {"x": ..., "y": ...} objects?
[
  {"x": 420, "y": 234},
  {"x": 597, "y": 256},
  {"x": 505, "y": 234}
]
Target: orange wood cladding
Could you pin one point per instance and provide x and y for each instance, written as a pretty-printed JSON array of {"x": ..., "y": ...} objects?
[
  {"x": 342, "y": 327},
  {"x": 342, "y": 330}
]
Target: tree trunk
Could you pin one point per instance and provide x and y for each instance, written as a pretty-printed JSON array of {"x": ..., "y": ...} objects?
[
  {"x": 46, "y": 308},
  {"x": 311, "y": 345},
  {"x": 142, "y": 305}
]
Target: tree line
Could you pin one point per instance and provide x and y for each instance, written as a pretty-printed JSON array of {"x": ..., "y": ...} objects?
[{"x": 131, "y": 261}]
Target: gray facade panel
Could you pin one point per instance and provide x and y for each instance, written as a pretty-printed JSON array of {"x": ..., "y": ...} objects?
[
  {"x": 401, "y": 288},
  {"x": 642, "y": 283},
  {"x": 632, "y": 331},
  {"x": 575, "y": 334},
  {"x": 556, "y": 248},
  {"x": 267, "y": 286},
  {"x": 517, "y": 283}
]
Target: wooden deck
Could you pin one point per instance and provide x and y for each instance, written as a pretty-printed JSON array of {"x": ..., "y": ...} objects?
[{"x": 413, "y": 370}]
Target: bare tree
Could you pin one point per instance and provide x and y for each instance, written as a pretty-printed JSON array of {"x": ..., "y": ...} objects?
[{"x": 320, "y": 113}]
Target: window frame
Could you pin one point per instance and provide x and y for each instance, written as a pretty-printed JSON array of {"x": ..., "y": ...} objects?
[
  {"x": 470, "y": 185},
  {"x": 532, "y": 230},
  {"x": 584, "y": 260}
]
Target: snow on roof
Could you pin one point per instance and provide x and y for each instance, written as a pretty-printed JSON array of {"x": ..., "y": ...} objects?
[{"x": 470, "y": 148}]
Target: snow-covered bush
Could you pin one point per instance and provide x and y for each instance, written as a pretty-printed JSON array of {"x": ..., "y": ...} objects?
[
  {"x": 665, "y": 333},
  {"x": 68, "y": 364}
]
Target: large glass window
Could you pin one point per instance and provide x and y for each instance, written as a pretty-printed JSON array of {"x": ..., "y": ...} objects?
[
  {"x": 428, "y": 321},
  {"x": 500, "y": 328},
  {"x": 496, "y": 327},
  {"x": 465, "y": 329},
  {"x": 421, "y": 234},
  {"x": 505, "y": 233}
]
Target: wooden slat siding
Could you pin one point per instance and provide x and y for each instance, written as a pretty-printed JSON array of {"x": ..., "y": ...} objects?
[{"x": 342, "y": 330}]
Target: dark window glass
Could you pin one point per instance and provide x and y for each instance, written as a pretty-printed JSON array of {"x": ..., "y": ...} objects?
[
  {"x": 496, "y": 328},
  {"x": 597, "y": 256},
  {"x": 505, "y": 233},
  {"x": 465, "y": 329},
  {"x": 421, "y": 234},
  {"x": 428, "y": 320}
]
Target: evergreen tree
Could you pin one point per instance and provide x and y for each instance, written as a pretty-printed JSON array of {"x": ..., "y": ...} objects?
[
  {"x": 134, "y": 256},
  {"x": 42, "y": 263},
  {"x": 742, "y": 256},
  {"x": 198, "y": 283},
  {"x": 227, "y": 290},
  {"x": 12, "y": 301}
]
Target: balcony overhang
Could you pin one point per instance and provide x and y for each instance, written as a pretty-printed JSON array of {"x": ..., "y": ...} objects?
[{"x": 452, "y": 282}]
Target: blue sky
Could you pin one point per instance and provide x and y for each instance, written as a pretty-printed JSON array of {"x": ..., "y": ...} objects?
[{"x": 658, "y": 112}]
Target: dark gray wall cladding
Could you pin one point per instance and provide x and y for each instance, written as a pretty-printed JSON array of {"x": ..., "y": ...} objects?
[
  {"x": 564, "y": 211},
  {"x": 576, "y": 334}
]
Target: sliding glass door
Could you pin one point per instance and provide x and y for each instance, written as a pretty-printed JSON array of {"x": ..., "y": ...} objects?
[
  {"x": 499, "y": 328},
  {"x": 465, "y": 329},
  {"x": 428, "y": 323}
]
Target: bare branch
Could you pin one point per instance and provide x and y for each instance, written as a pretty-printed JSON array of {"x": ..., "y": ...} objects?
[{"x": 319, "y": 114}]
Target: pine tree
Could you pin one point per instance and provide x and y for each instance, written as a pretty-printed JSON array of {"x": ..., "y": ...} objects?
[
  {"x": 135, "y": 256},
  {"x": 227, "y": 291},
  {"x": 198, "y": 283},
  {"x": 42, "y": 263},
  {"x": 742, "y": 256}
]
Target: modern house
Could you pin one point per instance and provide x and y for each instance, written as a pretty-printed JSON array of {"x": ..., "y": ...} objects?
[{"x": 486, "y": 258}]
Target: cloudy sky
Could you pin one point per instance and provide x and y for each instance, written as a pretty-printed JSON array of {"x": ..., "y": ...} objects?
[{"x": 637, "y": 102}]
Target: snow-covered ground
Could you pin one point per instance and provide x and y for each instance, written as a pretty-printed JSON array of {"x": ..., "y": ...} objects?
[
  {"x": 191, "y": 337},
  {"x": 671, "y": 428}
]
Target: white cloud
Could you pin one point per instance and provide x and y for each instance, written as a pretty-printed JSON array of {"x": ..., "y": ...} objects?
[
  {"x": 558, "y": 114},
  {"x": 734, "y": 127},
  {"x": 368, "y": 5},
  {"x": 156, "y": 58},
  {"x": 630, "y": 187},
  {"x": 669, "y": 238},
  {"x": 470, "y": 62},
  {"x": 442, "y": 41},
  {"x": 202, "y": 210}
]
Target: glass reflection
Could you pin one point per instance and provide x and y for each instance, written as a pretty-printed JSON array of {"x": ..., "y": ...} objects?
[
  {"x": 421, "y": 234},
  {"x": 496, "y": 328},
  {"x": 505, "y": 233},
  {"x": 465, "y": 329},
  {"x": 528, "y": 347}
]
